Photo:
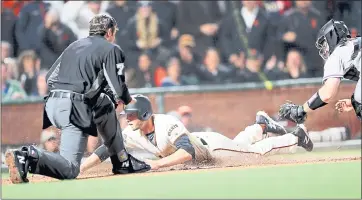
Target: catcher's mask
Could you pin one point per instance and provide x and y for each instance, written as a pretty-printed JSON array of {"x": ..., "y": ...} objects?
[
  {"x": 329, "y": 36},
  {"x": 142, "y": 108}
]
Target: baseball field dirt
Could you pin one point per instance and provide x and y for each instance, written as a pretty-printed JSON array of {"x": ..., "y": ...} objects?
[{"x": 333, "y": 174}]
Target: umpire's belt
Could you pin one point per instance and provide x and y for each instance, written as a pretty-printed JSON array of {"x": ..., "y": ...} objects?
[{"x": 68, "y": 95}]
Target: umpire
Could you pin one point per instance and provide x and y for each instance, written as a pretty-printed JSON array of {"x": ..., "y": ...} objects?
[{"x": 87, "y": 84}]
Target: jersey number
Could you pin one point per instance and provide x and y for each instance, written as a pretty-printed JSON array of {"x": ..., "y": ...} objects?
[{"x": 120, "y": 67}]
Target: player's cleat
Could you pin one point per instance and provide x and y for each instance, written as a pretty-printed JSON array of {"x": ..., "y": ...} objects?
[
  {"x": 303, "y": 137},
  {"x": 270, "y": 125},
  {"x": 18, "y": 165},
  {"x": 131, "y": 165}
]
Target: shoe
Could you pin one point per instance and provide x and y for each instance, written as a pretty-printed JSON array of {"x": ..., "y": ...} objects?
[
  {"x": 303, "y": 137},
  {"x": 18, "y": 165},
  {"x": 131, "y": 165},
  {"x": 270, "y": 125}
]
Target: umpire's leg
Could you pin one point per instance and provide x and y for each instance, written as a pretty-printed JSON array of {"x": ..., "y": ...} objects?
[
  {"x": 105, "y": 117},
  {"x": 73, "y": 143}
]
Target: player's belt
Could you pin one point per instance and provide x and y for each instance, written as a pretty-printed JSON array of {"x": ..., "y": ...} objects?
[{"x": 68, "y": 95}]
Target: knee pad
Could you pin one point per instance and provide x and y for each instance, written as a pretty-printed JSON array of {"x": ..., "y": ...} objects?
[{"x": 357, "y": 107}]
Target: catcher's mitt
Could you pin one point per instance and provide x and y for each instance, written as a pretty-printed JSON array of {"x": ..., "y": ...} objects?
[{"x": 292, "y": 112}]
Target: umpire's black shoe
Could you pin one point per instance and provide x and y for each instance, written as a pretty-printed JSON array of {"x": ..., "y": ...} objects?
[
  {"x": 270, "y": 125},
  {"x": 131, "y": 165},
  {"x": 303, "y": 137},
  {"x": 17, "y": 161}
]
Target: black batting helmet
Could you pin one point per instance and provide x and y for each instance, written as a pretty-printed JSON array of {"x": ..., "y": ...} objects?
[
  {"x": 142, "y": 107},
  {"x": 330, "y": 35},
  {"x": 99, "y": 24}
]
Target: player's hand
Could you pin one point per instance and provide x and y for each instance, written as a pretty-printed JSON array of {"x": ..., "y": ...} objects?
[
  {"x": 344, "y": 105},
  {"x": 292, "y": 112},
  {"x": 153, "y": 163}
]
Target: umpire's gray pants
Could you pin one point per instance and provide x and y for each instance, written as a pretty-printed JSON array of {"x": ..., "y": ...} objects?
[{"x": 66, "y": 165}]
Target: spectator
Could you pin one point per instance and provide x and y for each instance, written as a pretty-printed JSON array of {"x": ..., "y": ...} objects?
[
  {"x": 175, "y": 114},
  {"x": 56, "y": 5},
  {"x": 8, "y": 21},
  {"x": 145, "y": 32},
  {"x": 41, "y": 84},
  {"x": 50, "y": 140},
  {"x": 28, "y": 78},
  {"x": 201, "y": 20},
  {"x": 189, "y": 60},
  {"x": 13, "y": 6},
  {"x": 174, "y": 77},
  {"x": 30, "y": 18},
  {"x": 11, "y": 89},
  {"x": 212, "y": 71},
  {"x": 143, "y": 76},
  {"x": 54, "y": 38},
  {"x": 298, "y": 29},
  {"x": 6, "y": 50},
  {"x": 251, "y": 72},
  {"x": 243, "y": 30},
  {"x": 122, "y": 12},
  {"x": 167, "y": 12},
  {"x": 274, "y": 11},
  {"x": 294, "y": 68},
  {"x": 12, "y": 68},
  {"x": 186, "y": 118},
  {"x": 77, "y": 14}
]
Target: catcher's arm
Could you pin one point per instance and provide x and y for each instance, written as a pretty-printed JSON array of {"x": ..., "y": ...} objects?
[
  {"x": 298, "y": 113},
  {"x": 324, "y": 95}
]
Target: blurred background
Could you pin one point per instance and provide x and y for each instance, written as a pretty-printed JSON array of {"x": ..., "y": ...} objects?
[{"x": 215, "y": 62}]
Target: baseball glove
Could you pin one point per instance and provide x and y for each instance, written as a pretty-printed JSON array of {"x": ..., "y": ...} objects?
[{"x": 292, "y": 112}]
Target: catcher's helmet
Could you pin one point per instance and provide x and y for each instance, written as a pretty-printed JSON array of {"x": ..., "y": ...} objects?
[
  {"x": 330, "y": 35},
  {"x": 142, "y": 107}
]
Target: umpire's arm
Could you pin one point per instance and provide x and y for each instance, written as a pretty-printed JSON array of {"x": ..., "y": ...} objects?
[{"x": 113, "y": 68}]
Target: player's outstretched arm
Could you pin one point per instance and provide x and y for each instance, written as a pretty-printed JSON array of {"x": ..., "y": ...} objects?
[
  {"x": 99, "y": 155},
  {"x": 179, "y": 157},
  {"x": 90, "y": 162}
]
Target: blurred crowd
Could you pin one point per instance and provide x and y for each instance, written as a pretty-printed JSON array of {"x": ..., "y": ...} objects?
[{"x": 172, "y": 43}]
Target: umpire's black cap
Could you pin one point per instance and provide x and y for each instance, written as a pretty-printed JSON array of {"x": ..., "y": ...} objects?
[{"x": 99, "y": 24}]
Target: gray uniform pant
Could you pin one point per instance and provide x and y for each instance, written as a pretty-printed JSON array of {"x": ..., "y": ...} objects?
[{"x": 66, "y": 165}]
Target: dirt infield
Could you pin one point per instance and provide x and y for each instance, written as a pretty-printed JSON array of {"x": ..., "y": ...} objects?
[{"x": 227, "y": 160}]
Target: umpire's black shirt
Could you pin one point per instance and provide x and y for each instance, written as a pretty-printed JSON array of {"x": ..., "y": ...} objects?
[{"x": 89, "y": 66}]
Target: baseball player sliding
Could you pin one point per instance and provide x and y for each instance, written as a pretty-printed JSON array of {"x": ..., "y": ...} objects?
[
  {"x": 162, "y": 140},
  {"x": 343, "y": 60}
]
